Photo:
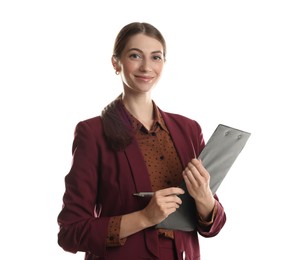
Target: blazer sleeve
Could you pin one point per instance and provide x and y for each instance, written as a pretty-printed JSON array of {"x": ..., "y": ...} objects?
[
  {"x": 217, "y": 224},
  {"x": 80, "y": 228}
]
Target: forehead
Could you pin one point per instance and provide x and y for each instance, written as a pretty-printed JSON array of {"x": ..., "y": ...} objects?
[{"x": 144, "y": 43}]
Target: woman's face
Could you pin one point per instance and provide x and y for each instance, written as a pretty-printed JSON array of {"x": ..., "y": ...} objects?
[{"x": 141, "y": 63}]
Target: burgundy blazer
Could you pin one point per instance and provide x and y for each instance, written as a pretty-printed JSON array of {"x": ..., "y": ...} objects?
[{"x": 101, "y": 184}]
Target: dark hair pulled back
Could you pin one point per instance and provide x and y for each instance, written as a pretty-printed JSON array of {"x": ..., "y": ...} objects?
[{"x": 117, "y": 128}]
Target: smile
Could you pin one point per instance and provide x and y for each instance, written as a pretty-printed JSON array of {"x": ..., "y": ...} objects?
[{"x": 144, "y": 78}]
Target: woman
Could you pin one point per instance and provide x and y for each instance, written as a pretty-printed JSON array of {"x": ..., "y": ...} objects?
[{"x": 136, "y": 147}]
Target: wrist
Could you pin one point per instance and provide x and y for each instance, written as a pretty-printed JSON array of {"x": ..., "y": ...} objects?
[
  {"x": 205, "y": 208},
  {"x": 144, "y": 220}
]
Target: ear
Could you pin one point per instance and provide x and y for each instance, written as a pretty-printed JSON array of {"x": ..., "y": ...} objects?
[{"x": 115, "y": 63}]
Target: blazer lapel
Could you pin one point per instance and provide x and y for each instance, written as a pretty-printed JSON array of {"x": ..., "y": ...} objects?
[
  {"x": 138, "y": 168},
  {"x": 142, "y": 183},
  {"x": 182, "y": 141}
]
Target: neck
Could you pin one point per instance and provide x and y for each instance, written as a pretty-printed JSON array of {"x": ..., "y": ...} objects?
[{"x": 141, "y": 108}]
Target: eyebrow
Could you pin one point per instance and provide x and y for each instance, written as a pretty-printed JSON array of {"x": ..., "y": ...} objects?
[{"x": 136, "y": 49}]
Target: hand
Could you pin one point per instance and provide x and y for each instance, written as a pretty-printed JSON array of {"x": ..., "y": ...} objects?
[
  {"x": 163, "y": 203},
  {"x": 197, "y": 182}
]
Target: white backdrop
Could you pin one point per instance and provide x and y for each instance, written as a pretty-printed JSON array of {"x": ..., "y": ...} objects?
[{"x": 229, "y": 62}]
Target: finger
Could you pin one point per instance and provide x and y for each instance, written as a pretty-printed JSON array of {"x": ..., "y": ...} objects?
[
  {"x": 173, "y": 199},
  {"x": 200, "y": 168},
  {"x": 170, "y": 206},
  {"x": 192, "y": 172},
  {"x": 190, "y": 179},
  {"x": 170, "y": 191}
]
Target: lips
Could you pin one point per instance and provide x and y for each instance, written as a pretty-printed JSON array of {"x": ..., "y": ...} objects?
[{"x": 144, "y": 78}]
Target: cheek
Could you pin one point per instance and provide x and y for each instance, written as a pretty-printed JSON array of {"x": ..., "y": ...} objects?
[
  {"x": 159, "y": 68},
  {"x": 129, "y": 67}
]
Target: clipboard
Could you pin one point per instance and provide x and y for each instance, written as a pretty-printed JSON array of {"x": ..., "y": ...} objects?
[{"x": 218, "y": 156}]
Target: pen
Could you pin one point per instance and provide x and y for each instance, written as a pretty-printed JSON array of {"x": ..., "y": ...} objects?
[
  {"x": 148, "y": 194},
  {"x": 144, "y": 194}
]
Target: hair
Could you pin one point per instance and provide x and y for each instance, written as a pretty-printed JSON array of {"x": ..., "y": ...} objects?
[
  {"x": 117, "y": 128},
  {"x": 133, "y": 29}
]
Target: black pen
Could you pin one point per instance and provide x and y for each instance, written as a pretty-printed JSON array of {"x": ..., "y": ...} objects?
[{"x": 144, "y": 194}]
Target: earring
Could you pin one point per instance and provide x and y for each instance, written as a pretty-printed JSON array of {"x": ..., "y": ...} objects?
[{"x": 116, "y": 72}]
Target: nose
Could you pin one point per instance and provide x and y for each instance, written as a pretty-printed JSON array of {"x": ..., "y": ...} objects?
[{"x": 145, "y": 66}]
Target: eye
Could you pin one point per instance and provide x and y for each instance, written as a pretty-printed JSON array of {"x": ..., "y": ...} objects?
[
  {"x": 157, "y": 58},
  {"x": 135, "y": 56}
]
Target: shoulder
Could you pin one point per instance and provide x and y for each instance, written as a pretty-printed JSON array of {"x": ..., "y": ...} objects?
[
  {"x": 180, "y": 119},
  {"x": 92, "y": 125},
  {"x": 93, "y": 121},
  {"x": 184, "y": 130}
]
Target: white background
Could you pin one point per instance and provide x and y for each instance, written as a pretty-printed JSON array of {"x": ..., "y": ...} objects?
[{"x": 229, "y": 62}]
